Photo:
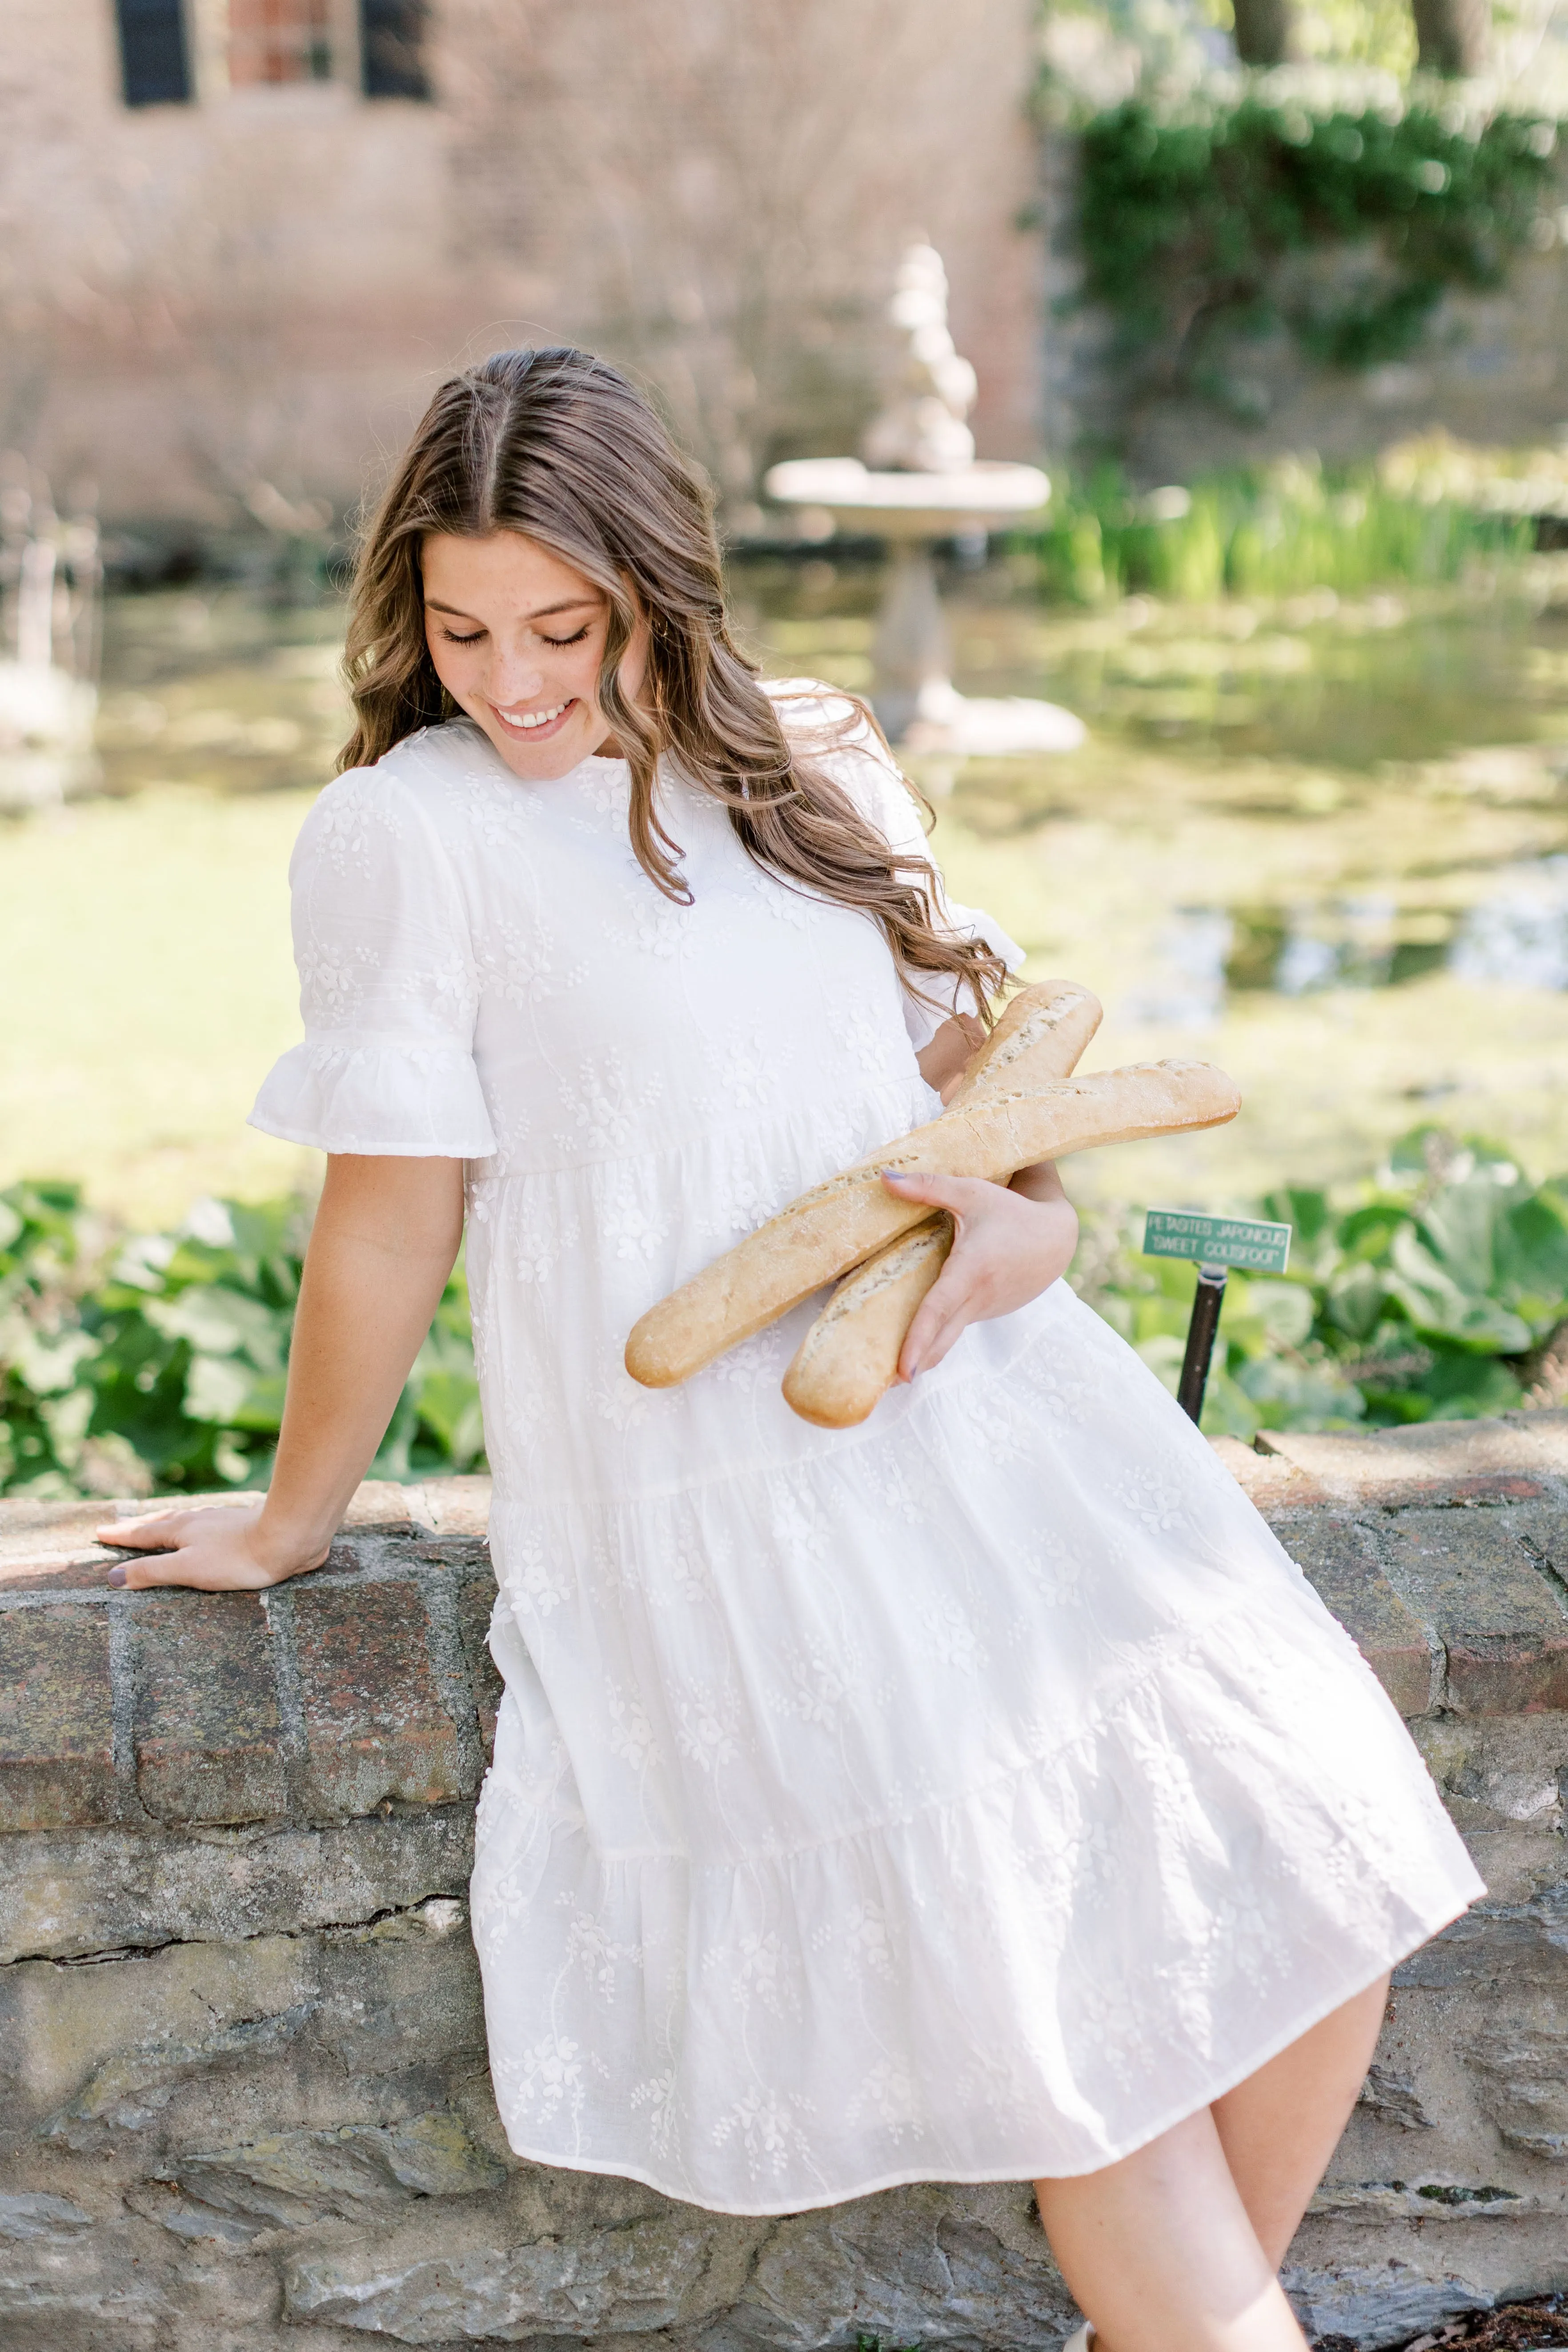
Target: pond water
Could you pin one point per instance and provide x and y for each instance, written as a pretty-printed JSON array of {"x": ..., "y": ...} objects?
[{"x": 1325, "y": 844}]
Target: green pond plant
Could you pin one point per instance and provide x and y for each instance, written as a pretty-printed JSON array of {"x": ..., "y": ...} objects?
[
  {"x": 1280, "y": 529},
  {"x": 156, "y": 1362}
]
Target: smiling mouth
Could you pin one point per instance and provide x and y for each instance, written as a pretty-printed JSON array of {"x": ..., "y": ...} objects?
[{"x": 535, "y": 724}]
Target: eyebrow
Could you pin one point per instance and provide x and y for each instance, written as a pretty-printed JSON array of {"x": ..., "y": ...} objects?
[{"x": 567, "y": 604}]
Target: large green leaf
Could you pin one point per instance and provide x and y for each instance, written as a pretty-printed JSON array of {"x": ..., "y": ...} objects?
[
  {"x": 218, "y": 1321},
  {"x": 1531, "y": 1246},
  {"x": 1355, "y": 1300},
  {"x": 1440, "y": 1308},
  {"x": 1456, "y": 1227}
]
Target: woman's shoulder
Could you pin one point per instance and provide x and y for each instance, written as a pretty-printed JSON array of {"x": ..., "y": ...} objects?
[
  {"x": 807, "y": 706},
  {"x": 834, "y": 727},
  {"x": 390, "y": 810},
  {"x": 429, "y": 762},
  {"x": 838, "y": 734}
]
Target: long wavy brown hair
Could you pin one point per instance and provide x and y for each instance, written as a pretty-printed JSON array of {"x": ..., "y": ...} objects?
[{"x": 557, "y": 445}]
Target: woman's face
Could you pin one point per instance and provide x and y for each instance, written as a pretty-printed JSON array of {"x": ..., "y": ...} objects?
[{"x": 517, "y": 637}]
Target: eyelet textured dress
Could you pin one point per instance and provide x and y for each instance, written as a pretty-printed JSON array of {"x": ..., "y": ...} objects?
[{"x": 966, "y": 1796}]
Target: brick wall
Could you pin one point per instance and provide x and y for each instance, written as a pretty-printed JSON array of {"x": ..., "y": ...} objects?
[
  {"x": 242, "y": 2092},
  {"x": 265, "y": 285}
]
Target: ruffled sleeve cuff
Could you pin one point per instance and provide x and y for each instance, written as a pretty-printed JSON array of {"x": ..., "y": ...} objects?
[
  {"x": 381, "y": 1095},
  {"x": 947, "y": 996}
]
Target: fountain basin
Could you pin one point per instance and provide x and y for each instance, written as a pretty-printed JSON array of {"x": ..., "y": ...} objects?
[
  {"x": 912, "y": 694},
  {"x": 979, "y": 497}
]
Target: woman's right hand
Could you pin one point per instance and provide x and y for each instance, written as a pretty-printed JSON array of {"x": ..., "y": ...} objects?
[
  {"x": 383, "y": 1241},
  {"x": 226, "y": 1547}
]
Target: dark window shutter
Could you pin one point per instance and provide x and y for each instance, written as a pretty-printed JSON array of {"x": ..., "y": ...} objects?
[
  {"x": 392, "y": 48},
  {"x": 153, "y": 52}
]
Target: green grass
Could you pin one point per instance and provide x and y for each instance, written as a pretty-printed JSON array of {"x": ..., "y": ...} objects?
[{"x": 144, "y": 958}]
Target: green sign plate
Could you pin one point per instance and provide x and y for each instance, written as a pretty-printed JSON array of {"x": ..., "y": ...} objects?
[{"x": 1217, "y": 1241}]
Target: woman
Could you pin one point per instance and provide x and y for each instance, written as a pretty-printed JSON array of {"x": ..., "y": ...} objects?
[{"x": 977, "y": 1794}]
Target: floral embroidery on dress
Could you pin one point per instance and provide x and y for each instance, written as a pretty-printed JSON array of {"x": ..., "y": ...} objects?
[
  {"x": 348, "y": 814},
  {"x": 754, "y": 1968},
  {"x": 707, "y": 1727},
  {"x": 531, "y": 1577},
  {"x": 597, "y": 1955},
  {"x": 619, "y": 1400},
  {"x": 656, "y": 926},
  {"x": 604, "y": 1103},
  {"x": 760, "y": 1358},
  {"x": 951, "y": 1637},
  {"x": 538, "y": 1249},
  {"x": 522, "y": 969},
  {"x": 656, "y": 2098},
  {"x": 333, "y": 980},
  {"x": 749, "y": 1072},
  {"x": 602, "y": 787},
  {"x": 765, "y": 2122},
  {"x": 887, "y": 2092},
  {"x": 632, "y": 1734},
  {"x": 1156, "y": 1501},
  {"x": 548, "y": 2076},
  {"x": 627, "y": 1223},
  {"x": 867, "y": 1940}
]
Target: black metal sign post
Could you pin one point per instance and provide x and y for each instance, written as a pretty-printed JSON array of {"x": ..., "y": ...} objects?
[
  {"x": 1202, "y": 1332},
  {"x": 1215, "y": 1243}
]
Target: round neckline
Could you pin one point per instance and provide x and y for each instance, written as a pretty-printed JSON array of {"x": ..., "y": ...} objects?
[{"x": 592, "y": 761}]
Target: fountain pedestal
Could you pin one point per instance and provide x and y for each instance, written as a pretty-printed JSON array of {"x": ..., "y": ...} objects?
[{"x": 912, "y": 692}]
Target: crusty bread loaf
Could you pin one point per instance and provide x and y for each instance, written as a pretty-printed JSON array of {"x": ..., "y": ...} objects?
[
  {"x": 849, "y": 1357},
  {"x": 1043, "y": 1032},
  {"x": 831, "y": 1228}
]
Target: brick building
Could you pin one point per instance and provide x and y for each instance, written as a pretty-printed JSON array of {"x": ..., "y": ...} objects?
[{"x": 240, "y": 240}]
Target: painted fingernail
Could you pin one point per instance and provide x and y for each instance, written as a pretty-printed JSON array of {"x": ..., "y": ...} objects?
[{"x": 117, "y": 1573}]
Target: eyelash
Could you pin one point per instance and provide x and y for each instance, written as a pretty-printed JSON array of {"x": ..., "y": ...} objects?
[{"x": 575, "y": 639}]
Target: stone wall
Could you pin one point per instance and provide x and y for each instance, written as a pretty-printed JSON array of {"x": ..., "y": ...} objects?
[
  {"x": 223, "y": 310},
  {"x": 242, "y": 2092}
]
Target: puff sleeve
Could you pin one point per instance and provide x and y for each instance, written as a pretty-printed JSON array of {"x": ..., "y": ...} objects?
[
  {"x": 858, "y": 759},
  {"x": 388, "y": 987}
]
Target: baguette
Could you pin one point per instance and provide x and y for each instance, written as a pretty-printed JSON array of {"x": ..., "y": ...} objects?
[
  {"x": 847, "y": 1362},
  {"x": 831, "y": 1228},
  {"x": 849, "y": 1357},
  {"x": 1042, "y": 1034}
]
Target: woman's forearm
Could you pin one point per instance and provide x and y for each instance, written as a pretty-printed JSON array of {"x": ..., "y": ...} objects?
[
  {"x": 1040, "y": 1182},
  {"x": 385, "y": 1240}
]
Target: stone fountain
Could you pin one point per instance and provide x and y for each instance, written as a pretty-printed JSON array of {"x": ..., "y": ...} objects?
[{"x": 917, "y": 483}]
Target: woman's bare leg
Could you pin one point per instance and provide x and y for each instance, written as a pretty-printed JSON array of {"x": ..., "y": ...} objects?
[
  {"x": 1176, "y": 2249},
  {"x": 1280, "y": 2127},
  {"x": 1160, "y": 2253}
]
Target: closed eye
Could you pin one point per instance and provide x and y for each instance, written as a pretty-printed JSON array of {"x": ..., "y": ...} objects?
[
  {"x": 453, "y": 638},
  {"x": 575, "y": 639}
]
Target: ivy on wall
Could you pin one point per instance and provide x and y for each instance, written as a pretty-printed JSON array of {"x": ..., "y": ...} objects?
[{"x": 1190, "y": 219}]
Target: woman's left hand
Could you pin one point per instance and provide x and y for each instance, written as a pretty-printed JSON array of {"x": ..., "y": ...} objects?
[{"x": 1011, "y": 1243}]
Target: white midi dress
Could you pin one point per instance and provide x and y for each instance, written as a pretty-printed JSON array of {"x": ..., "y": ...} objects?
[{"x": 966, "y": 1796}]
